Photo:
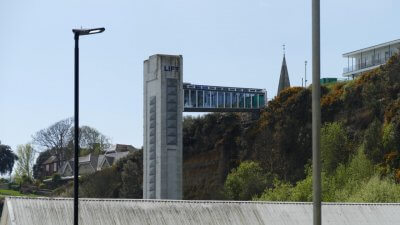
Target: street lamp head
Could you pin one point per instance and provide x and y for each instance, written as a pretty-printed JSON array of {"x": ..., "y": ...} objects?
[{"x": 79, "y": 32}]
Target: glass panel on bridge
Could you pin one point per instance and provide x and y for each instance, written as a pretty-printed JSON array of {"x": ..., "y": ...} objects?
[
  {"x": 213, "y": 99},
  {"x": 228, "y": 100},
  {"x": 221, "y": 102},
  {"x": 241, "y": 100},
  {"x": 247, "y": 100},
  {"x": 261, "y": 100},
  {"x": 186, "y": 98},
  {"x": 207, "y": 99},
  {"x": 193, "y": 98},
  {"x": 254, "y": 102},
  {"x": 200, "y": 98},
  {"x": 235, "y": 97}
]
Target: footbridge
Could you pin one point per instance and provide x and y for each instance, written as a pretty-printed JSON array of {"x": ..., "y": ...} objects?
[{"x": 207, "y": 98}]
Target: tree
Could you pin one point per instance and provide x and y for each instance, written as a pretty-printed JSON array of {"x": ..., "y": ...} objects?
[
  {"x": 7, "y": 159},
  {"x": 56, "y": 138},
  {"x": 373, "y": 142},
  {"x": 43, "y": 156},
  {"x": 26, "y": 157},
  {"x": 102, "y": 184},
  {"x": 245, "y": 182},
  {"x": 92, "y": 141},
  {"x": 59, "y": 139},
  {"x": 334, "y": 146},
  {"x": 132, "y": 176}
]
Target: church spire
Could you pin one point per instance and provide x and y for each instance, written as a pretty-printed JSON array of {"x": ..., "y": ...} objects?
[{"x": 284, "y": 77}]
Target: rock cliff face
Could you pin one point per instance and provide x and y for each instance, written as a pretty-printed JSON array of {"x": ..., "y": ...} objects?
[{"x": 212, "y": 147}]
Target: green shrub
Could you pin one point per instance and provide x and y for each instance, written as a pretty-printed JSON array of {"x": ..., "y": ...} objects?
[
  {"x": 377, "y": 190},
  {"x": 281, "y": 191},
  {"x": 245, "y": 182},
  {"x": 334, "y": 146}
]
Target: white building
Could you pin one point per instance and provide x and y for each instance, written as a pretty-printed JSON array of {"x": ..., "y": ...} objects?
[{"x": 369, "y": 58}]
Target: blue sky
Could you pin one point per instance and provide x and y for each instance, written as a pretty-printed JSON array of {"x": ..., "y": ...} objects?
[{"x": 224, "y": 42}]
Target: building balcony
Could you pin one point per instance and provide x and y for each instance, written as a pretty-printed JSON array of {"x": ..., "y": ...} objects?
[{"x": 364, "y": 66}]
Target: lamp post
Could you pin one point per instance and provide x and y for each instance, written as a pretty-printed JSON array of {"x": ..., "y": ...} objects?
[
  {"x": 316, "y": 112},
  {"x": 77, "y": 33}
]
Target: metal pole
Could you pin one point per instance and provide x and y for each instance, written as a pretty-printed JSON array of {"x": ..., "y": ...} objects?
[
  {"x": 76, "y": 127},
  {"x": 316, "y": 111},
  {"x": 305, "y": 74}
]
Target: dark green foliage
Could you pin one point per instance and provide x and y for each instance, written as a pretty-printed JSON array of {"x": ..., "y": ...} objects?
[
  {"x": 37, "y": 171},
  {"x": 102, "y": 184},
  {"x": 56, "y": 180},
  {"x": 373, "y": 142},
  {"x": 132, "y": 177},
  {"x": 7, "y": 159}
]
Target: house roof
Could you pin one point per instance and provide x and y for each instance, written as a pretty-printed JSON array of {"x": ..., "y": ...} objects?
[
  {"x": 51, "y": 159},
  {"x": 120, "y": 148},
  {"x": 46, "y": 211},
  {"x": 95, "y": 161},
  {"x": 65, "y": 165}
]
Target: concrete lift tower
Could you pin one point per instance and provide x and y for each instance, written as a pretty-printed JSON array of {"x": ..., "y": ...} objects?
[{"x": 166, "y": 97}]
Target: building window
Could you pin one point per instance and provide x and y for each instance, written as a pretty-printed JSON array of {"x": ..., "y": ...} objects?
[
  {"x": 47, "y": 167},
  {"x": 55, "y": 167}
]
